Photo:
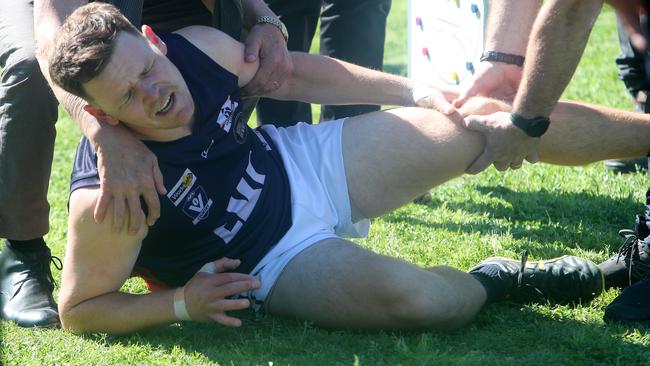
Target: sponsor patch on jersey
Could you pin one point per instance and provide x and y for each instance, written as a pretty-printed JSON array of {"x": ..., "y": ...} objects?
[
  {"x": 182, "y": 187},
  {"x": 197, "y": 206},
  {"x": 226, "y": 113},
  {"x": 240, "y": 129}
]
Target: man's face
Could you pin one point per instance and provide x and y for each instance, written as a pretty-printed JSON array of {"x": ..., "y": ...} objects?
[{"x": 142, "y": 88}]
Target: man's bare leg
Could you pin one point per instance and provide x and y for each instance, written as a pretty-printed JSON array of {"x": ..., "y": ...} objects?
[
  {"x": 391, "y": 157},
  {"x": 338, "y": 284}
]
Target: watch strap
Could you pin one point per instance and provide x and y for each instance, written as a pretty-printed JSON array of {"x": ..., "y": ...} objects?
[
  {"x": 533, "y": 127},
  {"x": 506, "y": 58}
]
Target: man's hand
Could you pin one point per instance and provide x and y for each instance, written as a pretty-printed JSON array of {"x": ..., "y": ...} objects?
[
  {"x": 206, "y": 294},
  {"x": 265, "y": 41},
  {"x": 506, "y": 145},
  {"x": 493, "y": 79},
  {"x": 127, "y": 171},
  {"x": 425, "y": 96}
]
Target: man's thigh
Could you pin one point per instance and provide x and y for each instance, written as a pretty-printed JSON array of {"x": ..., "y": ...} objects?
[
  {"x": 394, "y": 156},
  {"x": 336, "y": 283}
]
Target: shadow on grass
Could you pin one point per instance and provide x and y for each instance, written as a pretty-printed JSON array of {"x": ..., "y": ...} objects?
[
  {"x": 577, "y": 219},
  {"x": 502, "y": 334}
]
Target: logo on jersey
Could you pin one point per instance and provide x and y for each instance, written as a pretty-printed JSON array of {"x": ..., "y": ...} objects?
[
  {"x": 240, "y": 129},
  {"x": 197, "y": 206},
  {"x": 226, "y": 113},
  {"x": 182, "y": 187},
  {"x": 204, "y": 153}
]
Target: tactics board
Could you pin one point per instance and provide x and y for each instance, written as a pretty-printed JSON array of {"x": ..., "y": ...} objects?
[{"x": 445, "y": 39}]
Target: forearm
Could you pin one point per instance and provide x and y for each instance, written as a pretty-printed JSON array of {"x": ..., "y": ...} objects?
[
  {"x": 324, "y": 80},
  {"x": 120, "y": 313},
  {"x": 48, "y": 17},
  {"x": 557, "y": 42},
  {"x": 509, "y": 25}
]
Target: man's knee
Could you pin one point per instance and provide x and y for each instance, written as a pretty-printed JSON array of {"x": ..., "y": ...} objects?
[
  {"x": 427, "y": 301},
  {"x": 483, "y": 106}
]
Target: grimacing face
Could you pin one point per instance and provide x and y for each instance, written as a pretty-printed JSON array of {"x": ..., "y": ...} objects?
[{"x": 142, "y": 88}]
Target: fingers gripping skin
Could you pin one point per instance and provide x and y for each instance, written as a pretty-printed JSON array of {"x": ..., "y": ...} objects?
[
  {"x": 425, "y": 96},
  {"x": 506, "y": 145},
  {"x": 266, "y": 42},
  {"x": 127, "y": 171},
  {"x": 207, "y": 295}
]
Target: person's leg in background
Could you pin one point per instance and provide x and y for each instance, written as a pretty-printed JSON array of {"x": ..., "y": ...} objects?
[
  {"x": 353, "y": 31},
  {"x": 300, "y": 18},
  {"x": 28, "y": 112},
  {"x": 632, "y": 72}
]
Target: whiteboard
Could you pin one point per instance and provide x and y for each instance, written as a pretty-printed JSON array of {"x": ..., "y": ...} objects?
[{"x": 445, "y": 39}]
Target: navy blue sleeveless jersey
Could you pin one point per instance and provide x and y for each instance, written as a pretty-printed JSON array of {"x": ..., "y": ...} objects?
[{"x": 228, "y": 194}]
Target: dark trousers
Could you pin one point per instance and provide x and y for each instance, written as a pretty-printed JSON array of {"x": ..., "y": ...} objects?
[
  {"x": 301, "y": 18},
  {"x": 632, "y": 71},
  {"x": 28, "y": 112},
  {"x": 631, "y": 65},
  {"x": 351, "y": 30}
]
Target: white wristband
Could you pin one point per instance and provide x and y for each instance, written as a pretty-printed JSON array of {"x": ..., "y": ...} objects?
[{"x": 180, "y": 310}]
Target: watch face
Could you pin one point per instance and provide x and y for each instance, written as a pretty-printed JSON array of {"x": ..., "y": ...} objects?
[{"x": 445, "y": 39}]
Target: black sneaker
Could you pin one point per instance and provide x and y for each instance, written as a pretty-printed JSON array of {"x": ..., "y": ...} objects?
[
  {"x": 630, "y": 262},
  {"x": 564, "y": 280},
  {"x": 632, "y": 306},
  {"x": 26, "y": 286}
]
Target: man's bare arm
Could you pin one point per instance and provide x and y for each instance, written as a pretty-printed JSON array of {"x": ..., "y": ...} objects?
[
  {"x": 319, "y": 79},
  {"x": 558, "y": 39},
  {"x": 98, "y": 262},
  {"x": 557, "y": 42},
  {"x": 127, "y": 168}
]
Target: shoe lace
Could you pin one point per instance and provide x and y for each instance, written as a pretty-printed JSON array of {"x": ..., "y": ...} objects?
[
  {"x": 628, "y": 250},
  {"x": 40, "y": 270},
  {"x": 520, "y": 276}
]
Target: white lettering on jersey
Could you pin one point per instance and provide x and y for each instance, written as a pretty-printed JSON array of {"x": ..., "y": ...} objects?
[{"x": 241, "y": 209}]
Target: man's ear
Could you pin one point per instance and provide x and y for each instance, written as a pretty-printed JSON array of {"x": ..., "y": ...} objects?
[
  {"x": 153, "y": 38},
  {"x": 101, "y": 115}
]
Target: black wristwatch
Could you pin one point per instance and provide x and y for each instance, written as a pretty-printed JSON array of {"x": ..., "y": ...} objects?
[
  {"x": 502, "y": 57},
  {"x": 533, "y": 127}
]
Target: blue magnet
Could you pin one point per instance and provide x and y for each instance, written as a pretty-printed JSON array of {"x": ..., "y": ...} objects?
[
  {"x": 476, "y": 11},
  {"x": 470, "y": 67}
]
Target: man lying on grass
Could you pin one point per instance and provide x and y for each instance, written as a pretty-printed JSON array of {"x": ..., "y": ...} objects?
[{"x": 261, "y": 212}]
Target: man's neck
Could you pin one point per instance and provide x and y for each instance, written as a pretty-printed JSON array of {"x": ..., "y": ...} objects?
[{"x": 163, "y": 135}]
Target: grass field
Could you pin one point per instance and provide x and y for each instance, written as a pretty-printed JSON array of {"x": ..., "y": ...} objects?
[{"x": 549, "y": 210}]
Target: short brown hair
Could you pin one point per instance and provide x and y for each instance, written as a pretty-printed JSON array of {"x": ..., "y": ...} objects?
[{"x": 84, "y": 45}]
